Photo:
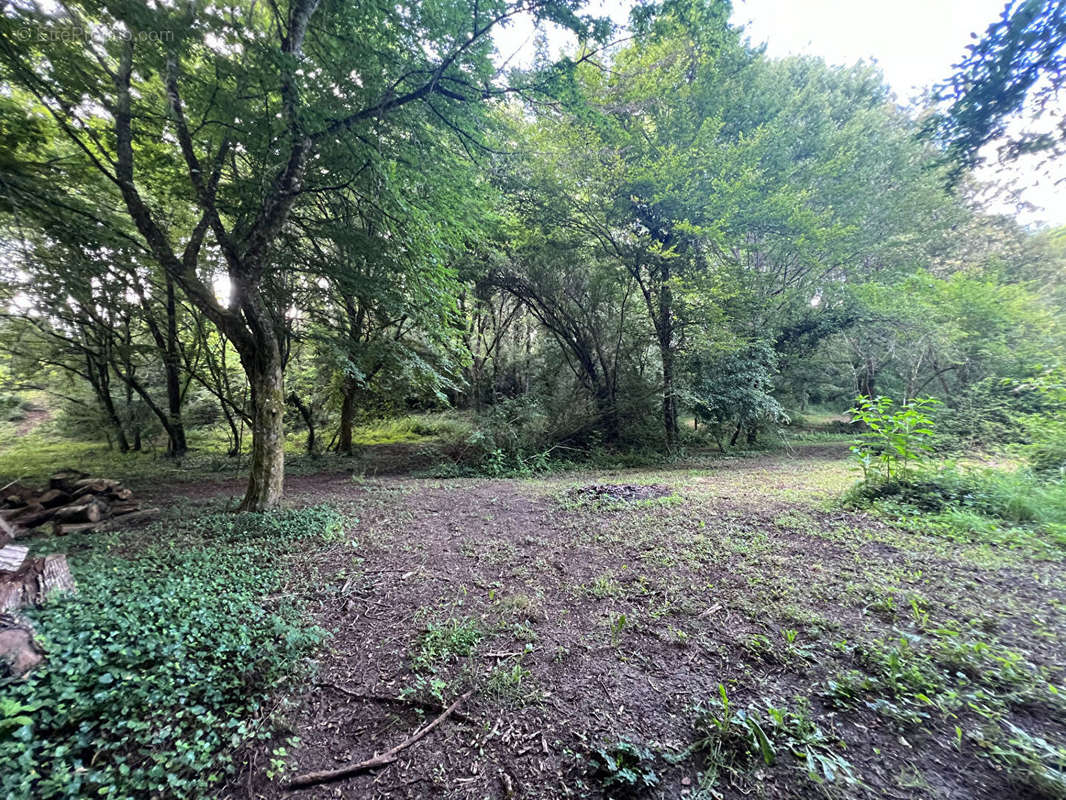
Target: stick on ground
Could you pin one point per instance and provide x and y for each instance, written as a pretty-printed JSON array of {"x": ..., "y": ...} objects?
[{"x": 382, "y": 760}]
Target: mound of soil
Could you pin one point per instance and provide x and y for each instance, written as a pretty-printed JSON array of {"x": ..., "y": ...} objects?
[{"x": 619, "y": 492}]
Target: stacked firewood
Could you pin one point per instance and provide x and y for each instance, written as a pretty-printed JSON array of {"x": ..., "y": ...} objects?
[{"x": 72, "y": 502}]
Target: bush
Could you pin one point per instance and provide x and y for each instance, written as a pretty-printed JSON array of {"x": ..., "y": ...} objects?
[
  {"x": 515, "y": 436},
  {"x": 160, "y": 668},
  {"x": 894, "y": 442},
  {"x": 1018, "y": 496},
  {"x": 732, "y": 392},
  {"x": 990, "y": 413},
  {"x": 1046, "y": 452}
]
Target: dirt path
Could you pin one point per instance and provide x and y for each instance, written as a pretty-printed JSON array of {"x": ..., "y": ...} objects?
[{"x": 578, "y": 626}]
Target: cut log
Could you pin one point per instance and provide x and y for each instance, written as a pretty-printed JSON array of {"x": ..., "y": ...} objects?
[
  {"x": 64, "y": 528},
  {"x": 118, "y": 509},
  {"x": 54, "y": 576},
  {"x": 19, "y": 651},
  {"x": 34, "y": 518},
  {"x": 8, "y": 514},
  {"x": 12, "y": 557},
  {"x": 53, "y": 498},
  {"x": 66, "y": 479},
  {"x": 89, "y": 510},
  {"x": 13, "y": 501},
  {"x": 95, "y": 486},
  {"x": 34, "y": 582}
]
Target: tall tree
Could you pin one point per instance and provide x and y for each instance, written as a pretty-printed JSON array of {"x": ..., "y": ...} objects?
[{"x": 215, "y": 122}]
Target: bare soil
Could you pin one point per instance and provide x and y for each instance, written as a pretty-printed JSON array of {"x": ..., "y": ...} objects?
[{"x": 754, "y": 549}]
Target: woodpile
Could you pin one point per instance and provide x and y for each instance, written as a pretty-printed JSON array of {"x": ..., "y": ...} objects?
[{"x": 72, "y": 502}]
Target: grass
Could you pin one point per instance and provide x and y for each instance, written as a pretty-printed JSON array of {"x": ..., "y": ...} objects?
[
  {"x": 451, "y": 427},
  {"x": 1004, "y": 508}
]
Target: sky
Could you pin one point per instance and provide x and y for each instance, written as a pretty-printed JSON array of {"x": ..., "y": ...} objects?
[{"x": 915, "y": 43}]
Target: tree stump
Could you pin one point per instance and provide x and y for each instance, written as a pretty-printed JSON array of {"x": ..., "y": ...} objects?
[
  {"x": 28, "y": 581},
  {"x": 19, "y": 651}
]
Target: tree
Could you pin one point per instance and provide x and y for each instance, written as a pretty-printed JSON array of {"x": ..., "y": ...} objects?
[
  {"x": 214, "y": 123},
  {"x": 1019, "y": 60}
]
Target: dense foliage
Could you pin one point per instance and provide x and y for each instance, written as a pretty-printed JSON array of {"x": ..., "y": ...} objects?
[
  {"x": 164, "y": 664},
  {"x": 225, "y": 224}
]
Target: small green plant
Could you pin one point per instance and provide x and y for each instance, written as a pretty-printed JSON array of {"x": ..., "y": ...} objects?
[
  {"x": 618, "y": 625},
  {"x": 730, "y": 739},
  {"x": 444, "y": 640},
  {"x": 894, "y": 440},
  {"x": 512, "y": 686},
  {"x": 734, "y": 740},
  {"x": 1030, "y": 760},
  {"x": 623, "y": 767}
]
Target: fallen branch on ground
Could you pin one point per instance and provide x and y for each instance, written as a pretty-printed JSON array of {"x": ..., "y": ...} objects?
[
  {"x": 382, "y": 760},
  {"x": 407, "y": 702}
]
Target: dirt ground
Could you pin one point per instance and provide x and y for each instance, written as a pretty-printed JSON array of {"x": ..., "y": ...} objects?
[{"x": 579, "y": 619}]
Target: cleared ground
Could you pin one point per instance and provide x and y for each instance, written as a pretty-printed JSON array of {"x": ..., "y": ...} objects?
[{"x": 582, "y": 622}]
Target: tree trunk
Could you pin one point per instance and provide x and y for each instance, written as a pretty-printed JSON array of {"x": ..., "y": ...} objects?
[
  {"x": 101, "y": 383},
  {"x": 868, "y": 380},
  {"x": 665, "y": 328},
  {"x": 607, "y": 409},
  {"x": 176, "y": 444},
  {"x": 308, "y": 418},
  {"x": 666, "y": 354},
  {"x": 267, "y": 470},
  {"x": 344, "y": 436}
]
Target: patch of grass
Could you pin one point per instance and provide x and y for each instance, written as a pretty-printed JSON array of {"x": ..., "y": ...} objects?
[
  {"x": 1016, "y": 509},
  {"x": 604, "y": 586},
  {"x": 163, "y": 664},
  {"x": 445, "y": 427},
  {"x": 444, "y": 641},
  {"x": 512, "y": 686}
]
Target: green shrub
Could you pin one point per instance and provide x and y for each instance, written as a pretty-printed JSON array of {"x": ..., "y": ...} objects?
[
  {"x": 894, "y": 441},
  {"x": 1046, "y": 451},
  {"x": 1016, "y": 496},
  {"x": 162, "y": 665}
]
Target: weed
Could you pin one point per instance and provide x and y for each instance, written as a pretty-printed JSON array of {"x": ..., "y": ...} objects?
[
  {"x": 1030, "y": 760},
  {"x": 511, "y": 686},
  {"x": 733, "y": 740},
  {"x": 444, "y": 640},
  {"x": 623, "y": 767}
]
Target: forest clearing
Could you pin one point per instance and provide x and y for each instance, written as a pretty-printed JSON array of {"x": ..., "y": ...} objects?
[
  {"x": 613, "y": 641},
  {"x": 532, "y": 399}
]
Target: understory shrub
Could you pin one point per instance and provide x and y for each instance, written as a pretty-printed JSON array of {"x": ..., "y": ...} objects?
[
  {"x": 1019, "y": 496},
  {"x": 519, "y": 436},
  {"x": 163, "y": 665}
]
